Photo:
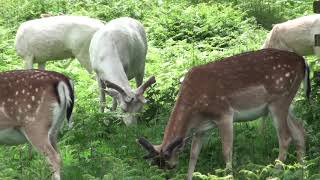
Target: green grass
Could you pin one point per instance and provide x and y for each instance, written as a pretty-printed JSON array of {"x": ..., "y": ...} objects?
[{"x": 181, "y": 34}]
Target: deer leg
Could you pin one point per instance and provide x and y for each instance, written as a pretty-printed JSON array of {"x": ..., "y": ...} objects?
[
  {"x": 28, "y": 62},
  {"x": 53, "y": 140},
  {"x": 102, "y": 94},
  {"x": 114, "y": 104},
  {"x": 298, "y": 133},
  {"x": 42, "y": 65},
  {"x": 197, "y": 141},
  {"x": 39, "y": 139},
  {"x": 279, "y": 113},
  {"x": 225, "y": 125}
]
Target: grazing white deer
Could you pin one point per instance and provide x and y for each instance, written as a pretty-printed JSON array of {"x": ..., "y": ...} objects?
[
  {"x": 33, "y": 105},
  {"x": 117, "y": 53},
  {"x": 297, "y": 35},
  {"x": 239, "y": 88},
  {"x": 56, "y": 38}
]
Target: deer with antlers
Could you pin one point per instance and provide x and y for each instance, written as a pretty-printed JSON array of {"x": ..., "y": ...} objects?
[
  {"x": 117, "y": 54},
  {"x": 236, "y": 89},
  {"x": 33, "y": 105}
]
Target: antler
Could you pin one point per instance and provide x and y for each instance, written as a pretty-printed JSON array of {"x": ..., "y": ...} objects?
[
  {"x": 145, "y": 85},
  {"x": 111, "y": 85},
  {"x": 177, "y": 143},
  {"x": 148, "y": 146}
]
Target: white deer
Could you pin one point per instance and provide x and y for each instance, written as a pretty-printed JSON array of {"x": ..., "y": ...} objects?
[
  {"x": 117, "y": 53},
  {"x": 297, "y": 35},
  {"x": 33, "y": 105},
  {"x": 239, "y": 88},
  {"x": 56, "y": 38}
]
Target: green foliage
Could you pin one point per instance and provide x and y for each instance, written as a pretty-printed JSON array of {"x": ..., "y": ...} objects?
[
  {"x": 181, "y": 35},
  {"x": 269, "y": 12},
  {"x": 196, "y": 23},
  {"x": 278, "y": 170}
]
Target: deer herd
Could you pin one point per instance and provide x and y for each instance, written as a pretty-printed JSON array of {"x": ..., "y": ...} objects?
[{"x": 244, "y": 87}]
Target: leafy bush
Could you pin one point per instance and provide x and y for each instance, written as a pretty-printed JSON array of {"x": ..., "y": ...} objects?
[{"x": 269, "y": 12}]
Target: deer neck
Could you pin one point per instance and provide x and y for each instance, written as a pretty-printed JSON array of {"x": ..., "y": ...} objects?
[{"x": 179, "y": 123}]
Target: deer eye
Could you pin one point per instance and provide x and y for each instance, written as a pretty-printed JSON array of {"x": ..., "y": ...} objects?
[{"x": 166, "y": 156}]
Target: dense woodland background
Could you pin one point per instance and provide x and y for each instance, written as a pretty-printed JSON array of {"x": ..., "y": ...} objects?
[{"x": 181, "y": 34}]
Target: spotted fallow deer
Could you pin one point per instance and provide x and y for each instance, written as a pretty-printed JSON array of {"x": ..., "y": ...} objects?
[
  {"x": 236, "y": 89},
  {"x": 33, "y": 105}
]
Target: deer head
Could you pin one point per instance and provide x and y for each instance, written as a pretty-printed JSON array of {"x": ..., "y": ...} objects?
[
  {"x": 166, "y": 158},
  {"x": 130, "y": 104}
]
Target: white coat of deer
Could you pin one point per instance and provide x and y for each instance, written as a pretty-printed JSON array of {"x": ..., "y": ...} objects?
[
  {"x": 239, "y": 88},
  {"x": 117, "y": 53},
  {"x": 56, "y": 38},
  {"x": 297, "y": 35},
  {"x": 33, "y": 105}
]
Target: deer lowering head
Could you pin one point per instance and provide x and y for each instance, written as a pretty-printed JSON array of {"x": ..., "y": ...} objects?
[
  {"x": 130, "y": 103},
  {"x": 33, "y": 105},
  {"x": 117, "y": 54},
  {"x": 239, "y": 88}
]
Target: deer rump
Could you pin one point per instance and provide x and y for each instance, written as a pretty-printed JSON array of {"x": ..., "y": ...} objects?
[{"x": 20, "y": 106}]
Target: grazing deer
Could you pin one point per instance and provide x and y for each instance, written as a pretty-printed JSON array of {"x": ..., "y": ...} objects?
[
  {"x": 33, "y": 105},
  {"x": 56, "y": 38},
  {"x": 117, "y": 54},
  {"x": 296, "y": 35},
  {"x": 236, "y": 89}
]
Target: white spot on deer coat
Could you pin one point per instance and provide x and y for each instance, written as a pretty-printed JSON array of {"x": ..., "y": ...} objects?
[{"x": 287, "y": 74}]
